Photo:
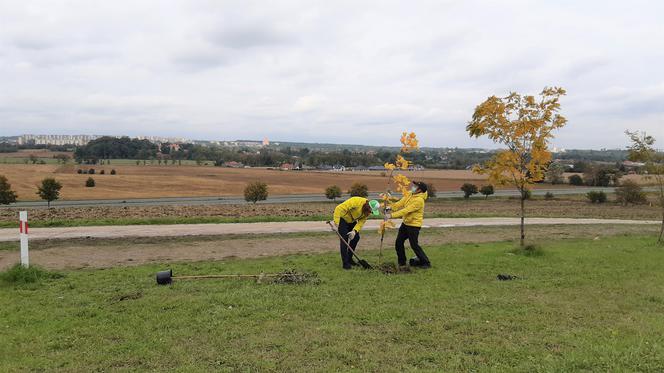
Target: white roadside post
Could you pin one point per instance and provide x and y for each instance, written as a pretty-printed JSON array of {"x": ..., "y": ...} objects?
[{"x": 23, "y": 234}]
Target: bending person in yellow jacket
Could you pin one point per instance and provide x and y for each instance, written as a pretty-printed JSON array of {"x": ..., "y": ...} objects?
[
  {"x": 411, "y": 209},
  {"x": 349, "y": 217}
]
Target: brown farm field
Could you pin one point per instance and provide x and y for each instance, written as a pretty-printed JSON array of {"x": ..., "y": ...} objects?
[{"x": 152, "y": 181}]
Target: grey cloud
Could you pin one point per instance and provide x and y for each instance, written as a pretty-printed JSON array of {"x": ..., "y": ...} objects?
[
  {"x": 32, "y": 43},
  {"x": 200, "y": 59},
  {"x": 250, "y": 36},
  {"x": 293, "y": 70}
]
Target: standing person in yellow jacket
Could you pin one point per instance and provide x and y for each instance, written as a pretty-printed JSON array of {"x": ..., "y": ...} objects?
[
  {"x": 349, "y": 217},
  {"x": 411, "y": 209}
]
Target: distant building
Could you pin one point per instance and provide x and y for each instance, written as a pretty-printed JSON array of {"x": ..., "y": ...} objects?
[
  {"x": 55, "y": 139},
  {"x": 233, "y": 164},
  {"x": 81, "y": 140},
  {"x": 266, "y": 142},
  {"x": 629, "y": 165},
  {"x": 159, "y": 139},
  {"x": 287, "y": 167},
  {"x": 174, "y": 147}
]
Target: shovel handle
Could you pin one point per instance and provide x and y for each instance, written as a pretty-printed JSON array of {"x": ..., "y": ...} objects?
[{"x": 343, "y": 240}]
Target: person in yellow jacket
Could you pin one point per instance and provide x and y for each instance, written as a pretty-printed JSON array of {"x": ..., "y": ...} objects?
[
  {"x": 349, "y": 217},
  {"x": 411, "y": 209}
]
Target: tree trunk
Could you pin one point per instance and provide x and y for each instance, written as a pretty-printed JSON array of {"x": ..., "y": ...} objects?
[{"x": 523, "y": 219}]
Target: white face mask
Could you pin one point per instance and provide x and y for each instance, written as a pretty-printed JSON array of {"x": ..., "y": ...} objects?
[{"x": 413, "y": 189}]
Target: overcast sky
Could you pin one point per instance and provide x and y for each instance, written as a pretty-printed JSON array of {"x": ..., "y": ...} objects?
[{"x": 329, "y": 71}]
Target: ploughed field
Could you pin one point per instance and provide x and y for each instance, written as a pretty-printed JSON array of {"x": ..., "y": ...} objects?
[{"x": 153, "y": 181}]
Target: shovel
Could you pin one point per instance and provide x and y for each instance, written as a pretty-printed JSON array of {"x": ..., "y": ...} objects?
[{"x": 362, "y": 262}]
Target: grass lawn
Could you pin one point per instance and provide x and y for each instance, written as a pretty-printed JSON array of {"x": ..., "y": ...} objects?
[{"x": 592, "y": 305}]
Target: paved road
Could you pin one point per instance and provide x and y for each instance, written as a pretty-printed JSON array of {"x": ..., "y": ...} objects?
[
  {"x": 296, "y": 198},
  {"x": 280, "y": 227}
]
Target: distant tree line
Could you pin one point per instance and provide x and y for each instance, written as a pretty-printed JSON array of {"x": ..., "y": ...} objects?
[
  {"x": 6, "y": 147},
  {"x": 273, "y": 156}
]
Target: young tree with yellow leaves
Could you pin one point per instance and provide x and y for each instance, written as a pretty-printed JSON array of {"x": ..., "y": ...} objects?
[
  {"x": 642, "y": 149},
  {"x": 409, "y": 143},
  {"x": 524, "y": 125}
]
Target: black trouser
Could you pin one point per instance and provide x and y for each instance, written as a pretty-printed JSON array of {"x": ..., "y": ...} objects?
[
  {"x": 346, "y": 255},
  {"x": 412, "y": 234}
]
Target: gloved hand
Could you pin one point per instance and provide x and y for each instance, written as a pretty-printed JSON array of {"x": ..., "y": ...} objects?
[
  {"x": 388, "y": 215},
  {"x": 351, "y": 235}
]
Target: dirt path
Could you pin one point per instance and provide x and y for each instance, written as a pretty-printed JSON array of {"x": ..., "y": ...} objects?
[
  {"x": 103, "y": 253},
  {"x": 279, "y": 227}
]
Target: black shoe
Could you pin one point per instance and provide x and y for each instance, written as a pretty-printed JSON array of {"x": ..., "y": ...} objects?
[
  {"x": 354, "y": 263},
  {"x": 414, "y": 262},
  {"x": 347, "y": 266},
  {"x": 425, "y": 265}
]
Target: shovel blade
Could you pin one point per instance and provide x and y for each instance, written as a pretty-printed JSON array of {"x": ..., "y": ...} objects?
[{"x": 365, "y": 264}]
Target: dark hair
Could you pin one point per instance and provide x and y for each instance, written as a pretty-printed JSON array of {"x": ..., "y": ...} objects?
[{"x": 421, "y": 186}]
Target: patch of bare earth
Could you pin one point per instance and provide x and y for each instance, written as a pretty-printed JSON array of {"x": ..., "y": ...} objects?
[{"x": 89, "y": 253}]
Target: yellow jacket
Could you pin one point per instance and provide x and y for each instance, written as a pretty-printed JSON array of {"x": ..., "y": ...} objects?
[
  {"x": 351, "y": 210},
  {"x": 411, "y": 209}
]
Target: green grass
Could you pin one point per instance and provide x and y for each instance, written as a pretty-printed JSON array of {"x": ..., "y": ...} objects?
[
  {"x": 583, "y": 305},
  {"x": 19, "y": 275}
]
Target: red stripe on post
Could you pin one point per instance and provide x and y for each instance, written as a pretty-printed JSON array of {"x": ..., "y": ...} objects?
[
  {"x": 20, "y": 227},
  {"x": 26, "y": 227}
]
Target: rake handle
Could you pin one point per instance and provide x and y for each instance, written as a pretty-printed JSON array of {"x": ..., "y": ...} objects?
[{"x": 228, "y": 276}]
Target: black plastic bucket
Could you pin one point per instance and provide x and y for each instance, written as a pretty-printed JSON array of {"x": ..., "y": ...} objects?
[{"x": 165, "y": 277}]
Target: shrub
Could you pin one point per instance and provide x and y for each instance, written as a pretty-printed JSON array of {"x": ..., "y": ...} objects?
[
  {"x": 90, "y": 182},
  {"x": 7, "y": 195},
  {"x": 529, "y": 250},
  {"x": 487, "y": 190},
  {"x": 113, "y": 172},
  {"x": 256, "y": 191},
  {"x": 332, "y": 192},
  {"x": 630, "y": 192},
  {"x": 596, "y": 196},
  {"x": 359, "y": 190},
  {"x": 91, "y": 171},
  {"x": 79, "y": 171},
  {"x": 549, "y": 196},
  {"x": 102, "y": 172},
  {"x": 468, "y": 190},
  {"x": 19, "y": 275},
  {"x": 575, "y": 180}
]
